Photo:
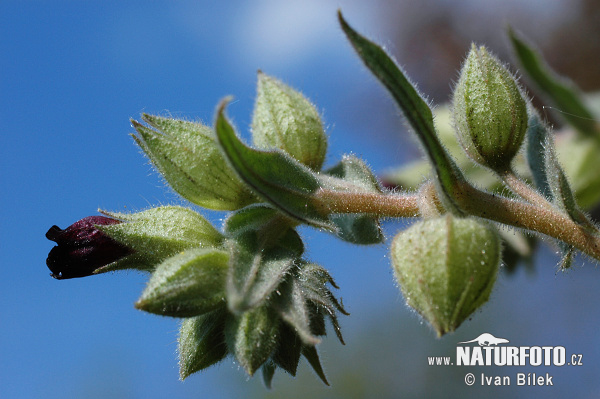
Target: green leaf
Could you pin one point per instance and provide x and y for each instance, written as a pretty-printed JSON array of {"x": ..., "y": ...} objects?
[
  {"x": 158, "y": 233},
  {"x": 580, "y": 160},
  {"x": 252, "y": 337},
  {"x": 188, "y": 157},
  {"x": 274, "y": 175},
  {"x": 563, "y": 93},
  {"x": 415, "y": 109},
  {"x": 547, "y": 171},
  {"x": 188, "y": 284},
  {"x": 258, "y": 266},
  {"x": 551, "y": 180},
  {"x": 283, "y": 118},
  {"x": 537, "y": 137},
  {"x": 201, "y": 342},
  {"x": 356, "y": 228}
]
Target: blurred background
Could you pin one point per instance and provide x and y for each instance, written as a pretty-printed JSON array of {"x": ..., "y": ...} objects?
[{"x": 72, "y": 74}]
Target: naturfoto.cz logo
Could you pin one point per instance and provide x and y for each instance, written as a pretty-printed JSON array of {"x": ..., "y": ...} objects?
[{"x": 492, "y": 351}]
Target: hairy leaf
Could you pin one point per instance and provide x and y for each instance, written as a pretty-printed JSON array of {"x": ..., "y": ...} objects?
[
  {"x": 415, "y": 109},
  {"x": 274, "y": 175},
  {"x": 564, "y": 94}
]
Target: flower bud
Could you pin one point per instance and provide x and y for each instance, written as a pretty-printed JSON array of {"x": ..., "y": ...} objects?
[
  {"x": 157, "y": 234},
  {"x": 189, "y": 158},
  {"x": 83, "y": 248},
  {"x": 283, "y": 118},
  {"x": 490, "y": 114},
  {"x": 188, "y": 284},
  {"x": 446, "y": 268}
]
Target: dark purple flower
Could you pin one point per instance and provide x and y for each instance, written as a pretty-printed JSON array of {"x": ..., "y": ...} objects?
[{"x": 82, "y": 248}]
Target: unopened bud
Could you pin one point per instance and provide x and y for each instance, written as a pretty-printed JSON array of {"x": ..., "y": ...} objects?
[
  {"x": 283, "y": 118},
  {"x": 83, "y": 248},
  {"x": 446, "y": 268},
  {"x": 490, "y": 114},
  {"x": 188, "y": 157}
]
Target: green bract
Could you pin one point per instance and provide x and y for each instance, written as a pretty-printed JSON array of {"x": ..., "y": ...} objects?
[
  {"x": 490, "y": 114},
  {"x": 446, "y": 268},
  {"x": 283, "y": 118},
  {"x": 188, "y": 157}
]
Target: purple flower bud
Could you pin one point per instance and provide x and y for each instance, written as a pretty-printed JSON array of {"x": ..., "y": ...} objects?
[{"x": 82, "y": 248}]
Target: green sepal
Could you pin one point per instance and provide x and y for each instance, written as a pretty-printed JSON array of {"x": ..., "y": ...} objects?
[
  {"x": 289, "y": 350},
  {"x": 562, "y": 92},
  {"x": 283, "y": 118},
  {"x": 252, "y": 337},
  {"x": 188, "y": 157},
  {"x": 287, "y": 354},
  {"x": 274, "y": 175},
  {"x": 313, "y": 279},
  {"x": 317, "y": 315},
  {"x": 158, "y": 233},
  {"x": 201, "y": 342},
  {"x": 268, "y": 371},
  {"x": 414, "y": 108},
  {"x": 355, "y": 228},
  {"x": 188, "y": 284},
  {"x": 310, "y": 353},
  {"x": 292, "y": 306},
  {"x": 258, "y": 265}
]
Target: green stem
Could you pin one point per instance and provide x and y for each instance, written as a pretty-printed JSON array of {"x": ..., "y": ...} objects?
[
  {"x": 544, "y": 220},
  {"x": 390, "y": 205},
  {"x": 522, "y": 189}
]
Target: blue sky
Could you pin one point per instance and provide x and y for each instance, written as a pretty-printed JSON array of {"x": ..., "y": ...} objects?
[{"x": 74, "y": 73}]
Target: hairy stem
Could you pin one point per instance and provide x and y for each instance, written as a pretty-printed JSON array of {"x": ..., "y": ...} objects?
[
  {"x": 390, "y": 205},
  {"x": 544, "y": 220},
  {"x": 522, "y": 189}
]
